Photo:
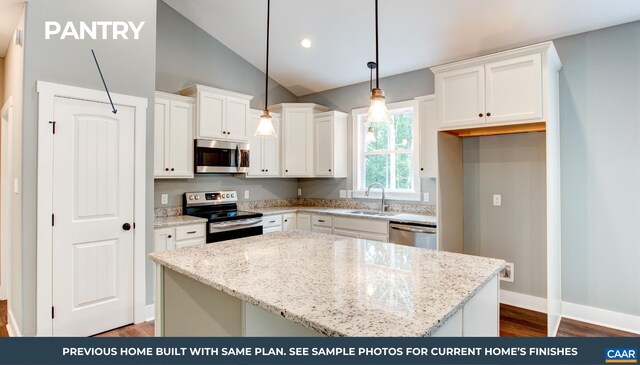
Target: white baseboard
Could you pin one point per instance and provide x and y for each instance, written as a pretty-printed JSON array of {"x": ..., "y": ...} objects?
[
  {"x": 525, "y": 301},
  {"x": 150, "y": 312},
  {"x": 601, "y": 317},
  {"x": 12, "y": 329}
]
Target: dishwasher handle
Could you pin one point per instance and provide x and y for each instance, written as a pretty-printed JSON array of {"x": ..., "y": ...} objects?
[{"x": 414, "y": 230}]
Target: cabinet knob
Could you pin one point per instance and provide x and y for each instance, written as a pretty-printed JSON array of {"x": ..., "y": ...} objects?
[
  {"x": 167, "y": 169},
  {"x": 286, "y": 170},
  {"x": 329, "y": 170},
  {"x": 262, "y": 170},
  {"x": 488, "y": 114},
  {"x": 224, "y": 132},
  {"x": 422, "y": 169},
  {"x": 267, "y": 170},
  {"x": 169, "y": 236},
  {"x": 172, "y": 169},
  {"x": 480, "y": 115}
]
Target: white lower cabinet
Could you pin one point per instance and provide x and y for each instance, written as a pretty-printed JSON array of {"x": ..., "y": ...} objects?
[
  {"x": 171, "y": 238},
  {"x": 272, "y": 223},
  {"x": 361, "y": 228},
  {"x": 321, "y": 223},
  {"x": 289, "y": 222},
  {"x": 303, "y": 222}
]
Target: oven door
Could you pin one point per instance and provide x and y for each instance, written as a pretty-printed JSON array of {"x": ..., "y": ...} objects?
[
  {"x": 218, "y": 157},
  {"x": 234, "y": 229}
]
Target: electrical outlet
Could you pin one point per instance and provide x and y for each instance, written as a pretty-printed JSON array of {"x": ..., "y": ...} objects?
[
  {"x": 349, "y": 194},
  {"x": 497, "y": 200},
  {"x": 164, "y": 199},
  {"x": 426, "y": 197},
  {"x": 246, "y": 194},
  {"x": 343, "y": 194},
  {"x": 299, "y": 192},
  {"x": 507, "y": 273}
]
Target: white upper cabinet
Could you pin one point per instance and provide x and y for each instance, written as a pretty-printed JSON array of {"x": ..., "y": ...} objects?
[
  {"x": 173, "y": 136},
  {"x": 499, "y": 89},
  {"x": 330, "y": 143},
  {"x": 220, "y": 114},
  {"x": 297, "y": 137},
  {"x": 428, "y": 136},
  {"x": 264, "y": 158}
]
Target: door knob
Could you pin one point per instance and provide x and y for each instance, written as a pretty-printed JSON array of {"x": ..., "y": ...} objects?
[{"x": 126, "y": 226}]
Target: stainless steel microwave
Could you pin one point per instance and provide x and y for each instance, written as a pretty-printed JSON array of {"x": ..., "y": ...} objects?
[{"x": 221, "y": 157}]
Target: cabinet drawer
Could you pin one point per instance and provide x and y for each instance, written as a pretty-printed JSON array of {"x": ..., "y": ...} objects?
[
  {"x": 190, "y": 232},
  {"x": 272, "y": 221},
  {"x": 189, "y": 243},
  {"x": 345, "y": 233},
  {"x": 374, "y": 237},
  {"x": 321, "y": 220},
  {"x": 320, "y": 229},
  {"x": 364, "y": 225},
  {"x": 266, "y": 230}
]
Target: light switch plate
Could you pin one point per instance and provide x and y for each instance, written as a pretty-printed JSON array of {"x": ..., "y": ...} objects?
[
  {"x": 16, "y": 186},
  {"x": 299, "y": 192},
  {"x": 164, "y": 199},
  {"x": 497, "y": 200},
  {"x": 426, "y": 197},
  {"x": 246, "y": 194},
  {"x": 349, "y": 194},
  {"x": 343, "y": 194}
]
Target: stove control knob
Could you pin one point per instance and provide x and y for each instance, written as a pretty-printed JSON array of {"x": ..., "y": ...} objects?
[
  {"x": 190, "y": 197},
  {"x": 197, "y": 197}
]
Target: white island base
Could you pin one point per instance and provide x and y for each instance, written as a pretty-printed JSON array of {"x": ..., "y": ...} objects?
[{"x": 188, "y": 308}]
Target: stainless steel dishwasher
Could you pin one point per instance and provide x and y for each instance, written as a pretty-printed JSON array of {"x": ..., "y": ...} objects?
[{"x": 413, "y": 234}]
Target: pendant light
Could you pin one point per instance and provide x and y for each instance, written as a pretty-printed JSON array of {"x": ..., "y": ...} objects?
[
  {"x": 265, "y": 126},
  {"x": 378, "y": 110},
  {"x": 370, "y": 136}
]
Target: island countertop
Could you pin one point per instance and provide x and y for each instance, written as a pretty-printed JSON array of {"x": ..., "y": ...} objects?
[{"x": 339, "y": 286}]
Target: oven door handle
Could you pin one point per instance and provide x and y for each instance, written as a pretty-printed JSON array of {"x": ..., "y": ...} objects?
[
  {"x": 238, "y": 159},
  {"x": 228, "y": 225},
  {"x": 414, "y": 230}
]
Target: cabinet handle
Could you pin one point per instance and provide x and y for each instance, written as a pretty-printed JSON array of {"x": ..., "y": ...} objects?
[
  {"x": 272, "y": 221},
  {"x": 329, "y": 170},
  {"x": 286, "y": 170},
  {"x": 191, "y": 232},
  {"x": 488, "y": 114},
  {"x": 172, "y": 169},
  {"x": 262, "y": 170},
  {"x": 286, "y": 220},
  {"x": 169, "y": 236},
  {"x": 167, "y": 169},
  {"x": 480, "y": 115},
  {"x": 321, "y": 220},
  {"x": 422, "y": 169},
  {"x": 267, "y": 170}
]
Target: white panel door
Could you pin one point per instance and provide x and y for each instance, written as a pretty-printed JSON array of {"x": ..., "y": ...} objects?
[
  {"x": 298, "y": 142},
  {"x": 181, "y": 139},
  {"x": 160, "y": 131},
  {"x": 323, "y": 146},
  {"x": 93, "y": 184},
  {"x": 460, "y": 97},
  {"x": 211, "y": 115},
  {"x": 255, "y": 144},
  {"x": 236, "y": 120},
  {"x": 271, "y": 151},
  {"x": 514, "y": 89}
]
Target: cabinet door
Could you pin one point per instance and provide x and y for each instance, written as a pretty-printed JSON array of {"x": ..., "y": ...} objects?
[
  {"x": 189, "y": 243},
  {"x": 460, "y": 97},
  {"x": 237, "y": 114},
  {"x": 304, "y": 222},
  {"x": 514, "y": 89},
  {"x": 323, "y": 146},
  {"x": 320, "y": 229},
  {"x": 255, "y": 144},
  {"x": 373, "y": 237},
  {"x": 271, "y": 152},
  {"x": 161, "y": 149},
  {"x": 211, "y": 115},
  {"x": 289, "y": 222},
  {"x": 164, "y": 239},
  {"x": 428, "y": 138},
  {"x": 345, "y": 233},
  {"x": 298, "y": 142},
  {"x": 181, "y": 139}
]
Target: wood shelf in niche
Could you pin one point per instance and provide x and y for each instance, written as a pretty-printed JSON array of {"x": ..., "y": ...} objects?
[{"x": 500, "y": 129}]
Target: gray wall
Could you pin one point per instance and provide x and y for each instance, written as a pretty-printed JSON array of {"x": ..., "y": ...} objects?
[
  {"x": 187, "y": 55},
  {"x": 600, "y": 130},
  {"x": 400, "y": 87},
  {"x": 128, "y": 67},
  {"x": 513, "y": 166}
]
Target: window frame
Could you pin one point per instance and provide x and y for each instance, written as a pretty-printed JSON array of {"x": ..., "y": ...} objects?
[{"x": 359, "y": 156}]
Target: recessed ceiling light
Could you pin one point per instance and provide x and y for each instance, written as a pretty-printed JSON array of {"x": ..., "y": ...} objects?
[{"x": 306, "y": 43}]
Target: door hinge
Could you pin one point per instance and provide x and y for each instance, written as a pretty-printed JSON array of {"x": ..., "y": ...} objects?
[
  {"x": 53, "y": 124},
  {"x": 53, "y": 312},
  {"x": 53, "y": 220}
]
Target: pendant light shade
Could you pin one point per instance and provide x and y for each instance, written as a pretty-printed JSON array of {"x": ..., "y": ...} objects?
[
  {"x": 265, "y": 126},
  {"x": 378, "y": 110}
]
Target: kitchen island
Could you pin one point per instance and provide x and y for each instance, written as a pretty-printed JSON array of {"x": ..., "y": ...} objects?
[{"x": 310, "y": 284}]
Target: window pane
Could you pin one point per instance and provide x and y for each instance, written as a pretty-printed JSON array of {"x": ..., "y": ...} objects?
[
  {"x": 403, "y": 123},
  {"x": 377, "y": 170},
  {"x": 381, "y": 132},
  {"x": 404, "y": 171}
]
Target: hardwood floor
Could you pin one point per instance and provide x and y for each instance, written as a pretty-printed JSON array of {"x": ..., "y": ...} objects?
[{"x": 514, "y": 322}]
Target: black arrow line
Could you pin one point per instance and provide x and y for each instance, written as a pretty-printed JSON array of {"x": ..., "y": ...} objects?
[{"x": 114, "y": 111}]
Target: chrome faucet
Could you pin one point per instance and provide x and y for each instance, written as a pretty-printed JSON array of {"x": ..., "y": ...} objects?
[{"x": 383, "y": 206}]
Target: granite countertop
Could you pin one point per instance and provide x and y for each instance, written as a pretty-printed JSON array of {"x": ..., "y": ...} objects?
[
  {"x": 396, "y": 217},
  {"x": 178, "y": 220},
  {"x": 339, "y": 286}
]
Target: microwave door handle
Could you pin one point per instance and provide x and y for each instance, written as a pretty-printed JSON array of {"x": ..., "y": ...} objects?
[{"x": 238, "y": 160}]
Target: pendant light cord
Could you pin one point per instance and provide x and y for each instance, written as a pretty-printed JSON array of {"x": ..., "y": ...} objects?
[
  {"x": 377, "y": 61},
  {"x": 266, "y": 81}
]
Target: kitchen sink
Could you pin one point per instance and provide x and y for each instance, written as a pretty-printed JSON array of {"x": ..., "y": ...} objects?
[{"x": 372, "y": 213}]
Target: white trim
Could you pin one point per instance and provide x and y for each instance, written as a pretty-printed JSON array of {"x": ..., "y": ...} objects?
[
  {"x": 525, "y": 301},
  {"x": 46, "y": 94},
  {"x": 601, "y": 317},
  {"x": 12, "y": 329},
  {"x": 6, "y": 164},
  {"x": 150, "y": 312}
]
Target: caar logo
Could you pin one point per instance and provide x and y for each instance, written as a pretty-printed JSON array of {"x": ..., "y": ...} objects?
[{"x": 621, "y": 356}]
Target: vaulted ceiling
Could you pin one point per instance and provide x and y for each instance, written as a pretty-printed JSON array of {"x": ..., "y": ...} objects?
[{"x": 9, "y": 16}]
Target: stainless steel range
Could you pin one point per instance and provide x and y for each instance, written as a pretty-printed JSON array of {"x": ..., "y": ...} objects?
[{"x": 226, "y": 222}]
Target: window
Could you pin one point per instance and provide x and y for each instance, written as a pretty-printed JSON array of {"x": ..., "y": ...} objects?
[{"x": 390, "y": 157}]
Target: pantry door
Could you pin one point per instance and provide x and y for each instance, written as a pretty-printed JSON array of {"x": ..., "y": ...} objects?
[{"x": 93, "y": 210}]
